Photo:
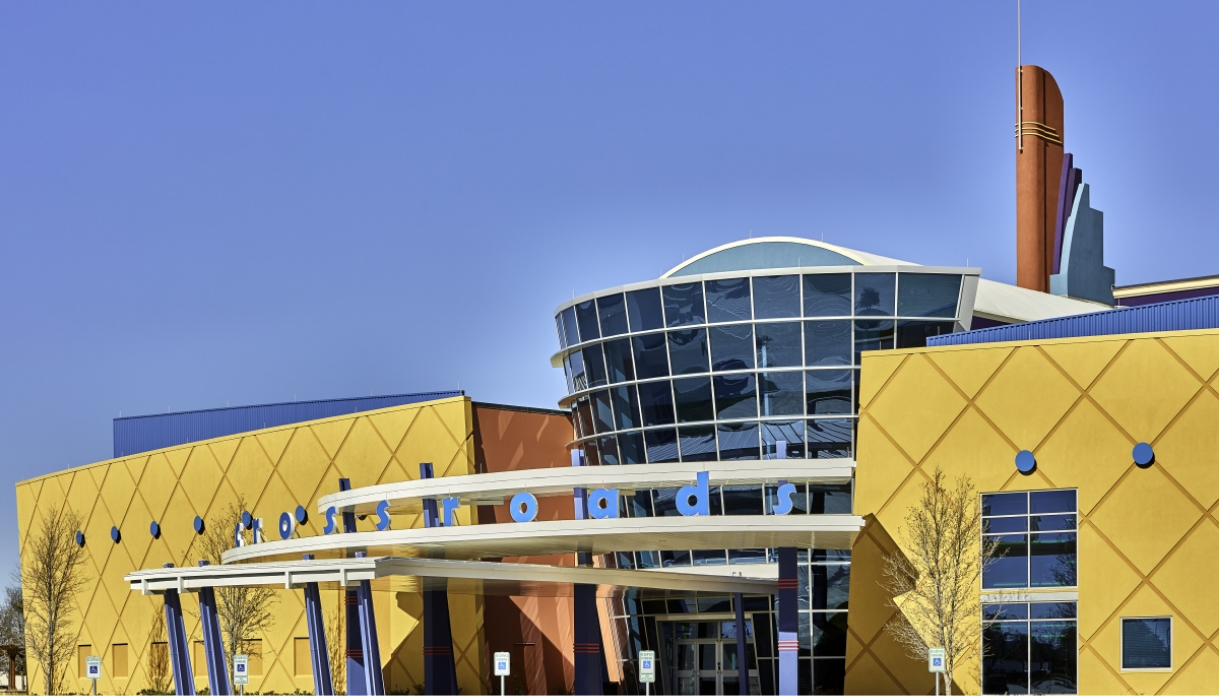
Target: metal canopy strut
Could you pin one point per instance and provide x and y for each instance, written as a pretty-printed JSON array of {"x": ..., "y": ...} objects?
[
  {"x": 179, "y": 658},
  {"x": 357, "y": 676},
  {"x": 789, "y": 637},
  {"x": 213, "y": 644},
  {"x": 439, "y": 669},
  {"x": 319, "y": 652}
]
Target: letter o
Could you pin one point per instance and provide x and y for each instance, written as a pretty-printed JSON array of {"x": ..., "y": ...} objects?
[
  {"x": 287, "y": 525},
  {"x": 524, "y": 507}
]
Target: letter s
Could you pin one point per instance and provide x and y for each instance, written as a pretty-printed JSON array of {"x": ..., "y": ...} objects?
[
  {"x": 331, "y": 526},
  {"x": 383, "y": 515},
  {"x": 784, "y": 504}
]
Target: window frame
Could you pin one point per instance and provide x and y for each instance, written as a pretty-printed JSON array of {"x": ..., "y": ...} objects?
[
  {"x": 1028, "y": 538},
  {"x": 1121, "y": 641}
]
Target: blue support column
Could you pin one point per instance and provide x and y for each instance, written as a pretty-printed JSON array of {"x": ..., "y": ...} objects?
[
  {"x": 357, "y": 677},
  {"x": 587, "y": 658},
  {"x": 789, "y": 623},
  {"x": 213, "y": 643},
  {"x": 439, "y": 669},
  {"x": 179, "y": 657},
  {"x": 368, "y": 628},
  {"x": 319, "y": 651},
  {"x": 738, "y": 603}
]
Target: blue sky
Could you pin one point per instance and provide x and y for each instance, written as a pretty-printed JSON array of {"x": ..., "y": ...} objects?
[{"x": 204, "y": 204}]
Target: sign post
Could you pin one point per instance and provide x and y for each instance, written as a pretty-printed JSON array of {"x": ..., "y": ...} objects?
[
  {"x": 503, "y": 667},
  {"x": 93, "y": 670},
  {"x": 241, "y": 671},
  {"x": 936, "y": 665},
  {"x": 647, "y": 670}
]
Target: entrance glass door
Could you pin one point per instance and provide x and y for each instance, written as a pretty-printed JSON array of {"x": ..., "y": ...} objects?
[{"x": 708, "y": 665}]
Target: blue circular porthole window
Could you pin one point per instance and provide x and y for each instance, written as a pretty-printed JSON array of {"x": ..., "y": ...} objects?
[
  {"x": 1026, "y": 462},
  {"x": 80, "y": 538},
  {"x": 155, "y": 530},
  {"x": 1143, "y": 454},
  {"x": 302, "y": 515},
  {"x": 247, "y": 519},
  {"x": 115, "y": 535},
  {"x": 198, "y": 524}
]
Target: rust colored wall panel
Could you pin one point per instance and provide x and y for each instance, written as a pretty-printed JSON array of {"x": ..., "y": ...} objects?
[
  {"x": 538, "y": 631},
  {"x": 1039, "y": 155}
]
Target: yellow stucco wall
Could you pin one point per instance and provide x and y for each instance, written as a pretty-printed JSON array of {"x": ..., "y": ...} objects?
[
  {"x": 1148, "y": 538},
  {"x": 275, "y": 469}
]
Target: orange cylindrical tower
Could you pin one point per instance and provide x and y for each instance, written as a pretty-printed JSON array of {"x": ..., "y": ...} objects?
[{"x": 1039, "y": 152}]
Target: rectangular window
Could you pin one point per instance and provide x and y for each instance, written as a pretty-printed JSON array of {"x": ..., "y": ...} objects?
[
  {"x": 736, "y": 396},
  {"x": 570, "y": 335},
  {"x": 782, "y": 394},
  {"x": 684, "y": 304},
  {"x": 827, "y": 295},
  {"x": 1030, "y": 648},
  {"x": 728, "y": 300},
  {"x": 594, "y": 363},
  {"x": 829, "y": 438},
  {"x": 776, "y": 297},
  {"x": 651, "y": 359},
  {"x": 790, "y": 433},
  {"x": 656, "y": 398},
  {"x": 732, "y": 347},
  {"x": 827, "y": 343},
  {"x": 630, "y": 448},
  {"x": 661, "y": 445},
  {"x": 697, "y": 443},
  {"x": 118, "y": 660},
  {"x": 693, "y": 400},
  {"x": 586, "y": 314},
  {"x": 778, "y": 344},
  {"x": 828, "y": 392},
  {"x": 874, "y": 294},
  {"x": 688, "y": 351},
  {"x": 620, "y": 360},
  {"x": 1147, "y": 643},
  {"x": 612, "y": 310},
  {"x": 738, "y": 441},
  {"x": 626, "y": 407},
  {"x": 1033, "y": 539},
  {"x": 304, "y": 664},
  {"x": 82, "y": 652},
  {"x": 928, "y": 295}
]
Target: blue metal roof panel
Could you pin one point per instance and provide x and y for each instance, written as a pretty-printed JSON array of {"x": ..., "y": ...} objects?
[
  {"x": 136, "y": 434},
  {"x": 1178, "y": 315}
]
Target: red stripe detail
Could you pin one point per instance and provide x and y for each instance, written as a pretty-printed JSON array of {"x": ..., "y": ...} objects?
[
  {"x": 788, "y": 584},
  {"x": 352, "y": 599},
  {"x": 789, "y": 645}
]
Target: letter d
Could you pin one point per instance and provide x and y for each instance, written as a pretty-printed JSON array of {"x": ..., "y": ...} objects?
[{"x": 701, "y": 504}]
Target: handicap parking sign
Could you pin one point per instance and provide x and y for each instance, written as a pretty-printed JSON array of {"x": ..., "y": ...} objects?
[{"x": 935, "y": 660}]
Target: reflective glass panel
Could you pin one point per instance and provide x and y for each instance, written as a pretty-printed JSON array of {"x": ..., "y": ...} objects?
[
  {"x": 1005, "y": 504},
  {"x": 872, "y": 335},
  {"x": 738, "y": 440},
  {"x": 828, "y": 392},
  {"x": 914, "y": 334},
  {"x": 829, "y": 498},
  {"x": 664, "y": 499},
  {"x": 603, "y": 417},
  {"x": 651, "y": 359},
  {"x": 1051, "y": 523},
  {"x": 1004, "y": 612},
  {"x": 656, "y": 402},
  {"x": 1052, "y": 501},
  {"x": 831, "y": 585},
  {"x": 874, "y": 294},
  {"x": 799, "y": 499},
  {"x": 612, "y": 311},
  {"x": 1053, "y": 610},
  {"x": 697, "y": 443},
  {"x": 776, "y": 297},
  {"x": 710, "y": 558},
  {"x": 743, "y": 500},
  {"x": 569, "y": 326},
  {"x": 829, "y": 438},
  {"x": 609, "y": 450},
  {"x": 782, "y": 394},
  {"x": 688, "y": 351},
  {"x": 1052, "y": 559},
  {"x": 558, "y": 325},
  {"x": 693, "y": 399},
  {"x": 626, "y": 407},
  {"x": 630, "y": 448},
  {"x": 579, "y": 380},
  {"x": 778, "y": 344},
  {"x": 571, "y": 388},
  {"x": 1010, "y": 568},
  {"x": 1147, "y": 643},
  {"x": 829, "y": 676},
  {"x": 732, "y": 347},
  {"x": 1005, "y": 667},
  {"x": 827, "y": 295},
  {"x": 1054, "y": 650},
  {"x": 592, "y": 453},
  {"x": 594, "y": 363},
  {"x": 644, "y": 309},
  {"x": 583, "y": 415},
  {"x": 790, "y": 432},
  {"x": 684, "y": 304},
  {"x": 736, "y": 396},
  {"x": 830, "y": 634},
  {"x": 586, "y": 314},
  {"x": 928, "y": 295},
  {"x": 1000, "y": 525},
  {"x": 827, "y": 343},
  {"x": 728, "y": 299},
  {"x": 662, "y": 445},
  {"x": 620, "y": 360}
]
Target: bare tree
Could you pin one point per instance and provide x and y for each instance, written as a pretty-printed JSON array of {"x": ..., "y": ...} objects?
[
  {"x": 336, "y": 640},
  {"x": 160, "y": 676},
  {"x": 12, "y": 629},
  {"x": 52, "y": 576},
  {"x": 933, "y": 577},
  {"x": 244, "y": 612}
]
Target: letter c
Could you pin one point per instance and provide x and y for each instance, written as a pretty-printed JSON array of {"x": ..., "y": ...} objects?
[
  {"x": 382, "y": 515},
  {"x": 784, "y": 504},
  {"x": 330, "y": 523},
  {"x": 524, "y": 507}
]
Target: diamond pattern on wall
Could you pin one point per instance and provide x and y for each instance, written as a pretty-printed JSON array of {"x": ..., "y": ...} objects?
[
  {"x": 274, "y": 470},
  {"x": 1148, "y": 537}
]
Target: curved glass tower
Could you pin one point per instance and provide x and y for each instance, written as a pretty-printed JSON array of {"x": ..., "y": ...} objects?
[{"x": 747, "y": 352}]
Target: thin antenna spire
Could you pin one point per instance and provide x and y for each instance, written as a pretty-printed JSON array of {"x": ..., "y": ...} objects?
[{"x": 1019, "y": 86}]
